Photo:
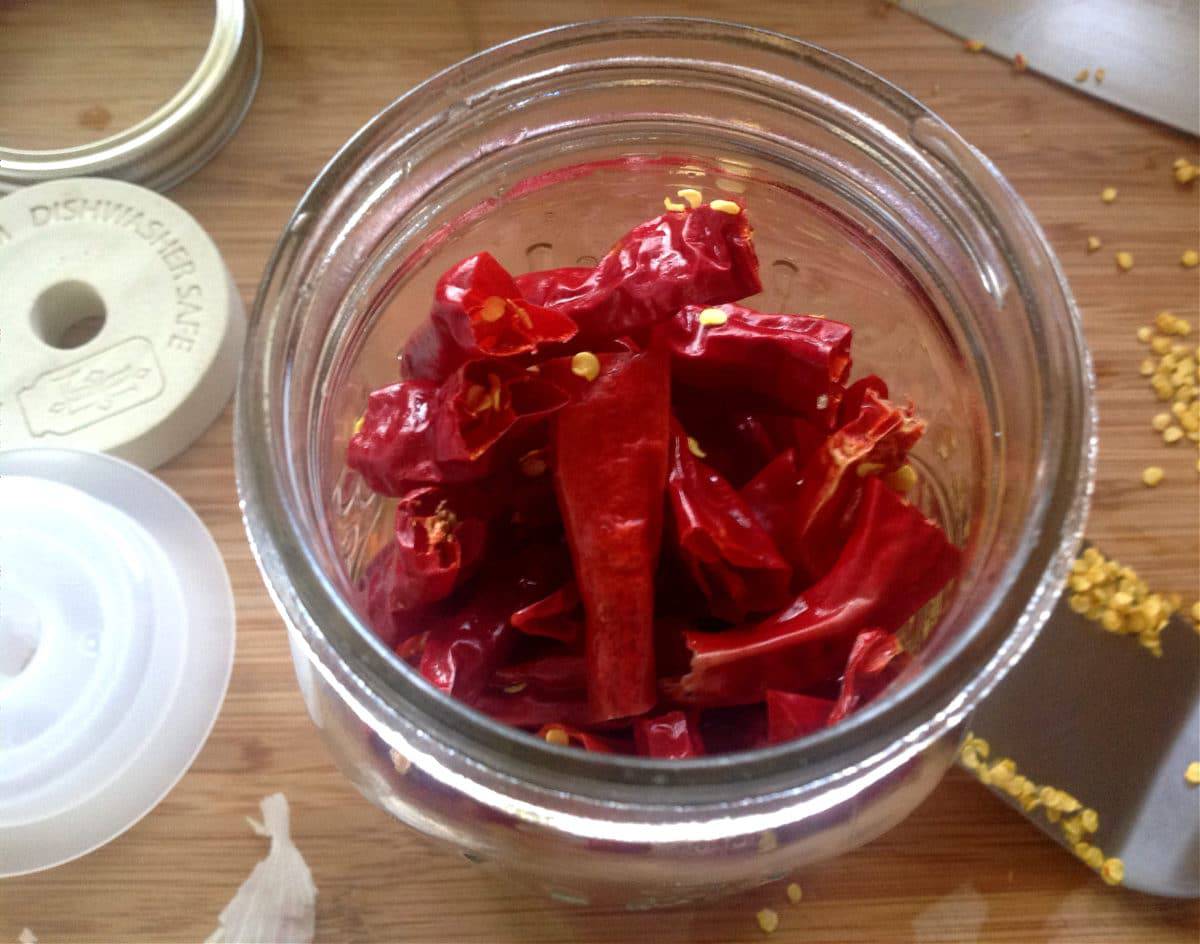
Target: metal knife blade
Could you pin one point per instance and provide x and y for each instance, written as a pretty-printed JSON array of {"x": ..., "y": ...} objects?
[
  {"x": 1149, "y": 49},
  {"x": 1097, "y": 715}
]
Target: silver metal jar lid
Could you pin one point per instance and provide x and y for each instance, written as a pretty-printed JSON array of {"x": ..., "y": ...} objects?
[{"x": 177, "y": 139}]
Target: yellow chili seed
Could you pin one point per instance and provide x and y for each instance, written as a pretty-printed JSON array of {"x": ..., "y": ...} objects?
[
  {"x": 1152, "y": 475},
  {"x": 533, "y": 464},
  {"x": 1113, "y": 871},
  {"x": 1147, "y": 368},
  {"x": 1161, "y": 421},
  {"x": 1192, "y": 774},
  {"x": 1121, "y": 600},
  {"x": 726, "y": 206},
  {"x": 672, "y": 206},
  {"x": 1161, "y": 346},
  {"x": 1094, "y": 858},
  {"x": 1189, "y": 259},
  {"x": 694, "y": 448},
  {"x": 514, "y": 688},
  {"x": 768, "y": 920},
  {"x": 358, "y": 425},
  {"x": 1082, "y": 76},
  {"x": 1090, "y": 820},
  {"x": 1111, "y": 620},
  {"x": 492, "y": 308},
  {"x": 693, "y": 196},
  {"x": 557, "y": 736},
  {"x": 795, "y": 892},
  {"x": 1185, "y": 174},
  {"x": 974, "y": 45},
  {"x": 1093, "y": 243},
  {"x": 902, "y": 480},
  {"x": 1099, "y": 76},
  {"x": 1145, "y": 333},
  {"x": 713, "y": 317},
  {"x": 1172, "y": 434},
  {"x": 1108, "y": 194},
  {"x": 1079, "y": 603},
  {"x": 585, "y": 364},
  {"x": 1124, "y": 261}
]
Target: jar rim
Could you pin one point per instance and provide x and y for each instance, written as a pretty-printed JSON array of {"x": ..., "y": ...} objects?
[{"x": 956, "y": 678}]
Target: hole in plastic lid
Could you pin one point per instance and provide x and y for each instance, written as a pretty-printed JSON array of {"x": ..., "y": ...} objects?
[{"x": 69, "y": 314}]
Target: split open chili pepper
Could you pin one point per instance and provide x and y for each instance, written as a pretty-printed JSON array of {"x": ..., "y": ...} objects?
[
  {"x": 875, "y": 660},
  {"x": 894, "y": 562},
  {"x": 791, "y": 363},
  {"x": 727, "y": 553},
  {"x": 479, "y": 312},
  {"x": 876, "y": 440},
  {"x": 696, "y": 256},
  {"x": 610, "y": 466},
  {"x": 416, "y": 432},
  {"x": 673, "y": 736}
]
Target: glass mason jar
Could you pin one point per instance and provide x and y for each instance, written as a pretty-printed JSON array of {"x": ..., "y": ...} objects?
[{"x": 866, "y": 207}]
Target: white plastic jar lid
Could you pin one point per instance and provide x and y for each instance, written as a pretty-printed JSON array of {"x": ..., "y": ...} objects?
[
  {"x": 116, "y": 646},
  {"x": 121, "y": 327}
]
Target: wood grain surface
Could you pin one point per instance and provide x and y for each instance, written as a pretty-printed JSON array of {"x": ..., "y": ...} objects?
[{"x": 963, "y": 868}]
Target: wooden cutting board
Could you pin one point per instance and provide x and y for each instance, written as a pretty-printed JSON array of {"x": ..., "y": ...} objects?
[{"x": 963, "y": 868}]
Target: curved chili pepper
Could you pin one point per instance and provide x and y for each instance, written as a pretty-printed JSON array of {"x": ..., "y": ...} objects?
[
  {"x": 554, "y": 617},
  {"x": 698, "y": 256},
  {"x": 876, "y": 659},
  {"x": 610, "y": 465},
  {"x": 791, "y": 716},
  {"x": 469, "y": 641},
  {"x": 727, "y": 553},
  {"x": 672, "y": 736},
  {"x": 878, "y": 438},
  {"x": 478, "y": 311},
  {"x": 794, "y": 363},
  {"x": 415, "y": 432},
  {"x": 894, "y": 563}
]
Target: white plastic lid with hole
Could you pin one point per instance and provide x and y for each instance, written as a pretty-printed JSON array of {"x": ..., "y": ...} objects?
[
  {"x": 116, "y": 645},
  {"x": 120, "y": 326}
]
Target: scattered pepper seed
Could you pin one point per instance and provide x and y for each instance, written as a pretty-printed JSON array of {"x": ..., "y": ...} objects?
[
  {"x": 358, "y": 425},
  {"x": 492, "y": 308},
  {"x": 694, "y": 448},
  {"x": 557, "y": 736},
  {"x": 795, "y": 892},
  {"x": 1192, "y": 774},
  {"x": 693, "y": 196},
  {"x": 1093, "y": 243},
  {"x": 713, "y": 317},
  {"x": 1145, "y": 334},
  {"x": 768, "y": 920},
  {"x": 726, "y": 206},
  {"x": 1108, "y": 194},
  {"x": 1113, "y": 871},
  {"x": 585, "y": 364},
  {"x": 1124, "y": 261},
  {"x": 1189, "y": 259},
  {"x": 1099, "y": 76},
  {"x": 673, "y": 206},
  {"x": 533, "y": 463},
  {"x": 514, "y": 688},
  {"x": 902, "y": 480},
  {"x": 1152, "y": 475},
  {"x": 1172, "y": 434},
  {"x": 1082, "y": 75},
  {"x": 974, "y": 45},
  {"x": 1020, "y": 63},
  {"x": 1186, "y": 172}
]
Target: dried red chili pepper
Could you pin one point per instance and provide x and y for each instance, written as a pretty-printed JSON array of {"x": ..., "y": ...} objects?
[
  {"x": 673, "y": 736},
  {"x": 610, "y": 465},
  {"x": 728, "y": 555},
  {"x": 895, "y": 561},
  {"x": 875, "y": 661},
  {"x": 880, "y": 434},
  {"x": 555, "y": 616},
  {"x": 415, "y": 432},
  {"x": 698, "y": 256},
  {"x": 791, "y": 715},
  {"x": 771, "y": 498},
  {"x": 478, "y": 311},
  {"x": 793, "y": 363},
  {"x": 468, "y": 641}
]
